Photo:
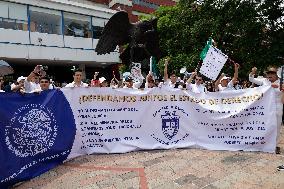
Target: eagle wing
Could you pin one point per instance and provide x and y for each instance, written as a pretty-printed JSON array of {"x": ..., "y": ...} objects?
[
  {"x": 152, "y": 41},
  {"x": 116, "y": 32}
]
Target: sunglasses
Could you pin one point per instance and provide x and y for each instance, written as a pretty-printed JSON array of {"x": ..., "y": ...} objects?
[{"x": 44, "y": 81}]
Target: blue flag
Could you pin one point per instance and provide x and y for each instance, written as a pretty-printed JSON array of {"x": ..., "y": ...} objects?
[{"x": 36, "y": 134}]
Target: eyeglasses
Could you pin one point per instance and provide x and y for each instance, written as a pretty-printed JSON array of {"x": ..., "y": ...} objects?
[
  {"x": 198, "y": 79},
  {"x": 44, "y": 81}
]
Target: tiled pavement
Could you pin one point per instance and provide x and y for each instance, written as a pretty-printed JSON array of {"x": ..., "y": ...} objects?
[{"x": 167, "y": 169}]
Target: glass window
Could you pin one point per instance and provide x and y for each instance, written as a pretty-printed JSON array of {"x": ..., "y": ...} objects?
[
  {"x": 18, "y": 12},
  {"x": 145, "y": 4},
  {"x": 4, "y": 9},
  {"x": 98, "y": 26},
  {"x": 77, "y": 25},
  {"x": 45, "y": 20},
  {"x": 13, "y": 16}
]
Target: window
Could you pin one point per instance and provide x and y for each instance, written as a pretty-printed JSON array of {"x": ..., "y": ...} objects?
[
  {"x": 98, "y": 26},
  {"x": 145, "y": 4},
  {"x": 45, "y": 20},
  {"x": 77, "y": 25},
  {"x": 13, "y": 16}
]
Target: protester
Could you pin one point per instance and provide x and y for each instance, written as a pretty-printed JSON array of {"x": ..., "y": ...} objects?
[
  {"x": 77, "y": 79},
  {"x": 150, "y": 83},
  {"x": 224, "y": 83},
  {"x": 271, "y": 79},
  {"x": 95, "y": 82},
  {"x": 198, "y": 86},
  {"x": 44, "y": 85},
  {"x": 237, "y": 85},
  {"x": 172, "y": 82},
  {"x": 103, "y": 82},
  {"x": 246, "y": 84},
  {"x": 114, "y": 83},
  {"x": 1, "y": 84},
  {"x": 19, "y": 86},
  {"x": 128, "y": 83},
  {"x": 210, "y": 86},
  {"x": 32, "y": 81}
]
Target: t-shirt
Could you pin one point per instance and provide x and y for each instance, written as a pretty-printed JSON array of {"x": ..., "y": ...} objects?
[
  {"x": 196, "y": 88},
  {"x": 169, "y": 84},
  {"x": 31, "y": 86},
  {"x": 73, "y": 84},
  {"x": 230, "y": 86}
]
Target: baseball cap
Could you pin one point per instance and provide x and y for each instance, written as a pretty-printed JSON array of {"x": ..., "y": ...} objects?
[
  {"x": 225, "y": 77},
  {"x": 21, "y": 78},
  {"x": 271, "y": 70},
  {"x": 102, "y": 79}
]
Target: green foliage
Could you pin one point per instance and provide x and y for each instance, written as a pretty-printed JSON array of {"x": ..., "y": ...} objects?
[
  {"x": 250, "y": 32},
  {"x": 123, "y": 68}
]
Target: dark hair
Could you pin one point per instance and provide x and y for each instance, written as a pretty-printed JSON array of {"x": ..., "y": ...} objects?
[
  {"x": 76, "y": 70},
  {"x": 128, "y": 79},
  {"x": 46, "y": 78},
  {"x": 173, "y": 73},
  {"x": 199, "y": 75}
]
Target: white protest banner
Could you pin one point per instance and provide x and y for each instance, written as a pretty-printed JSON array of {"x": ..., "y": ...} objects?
[
  {"x": 213, "y": 63},
  {"x": 40, "y": 131},
  {"x": 123, "y": 120}
]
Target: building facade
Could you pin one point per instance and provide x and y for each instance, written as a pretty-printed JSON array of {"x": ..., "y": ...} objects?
[
  {"x": 61, "y": 33},
  {"x": 135, "y": 7},
  {"x": 52, "y": 33}
]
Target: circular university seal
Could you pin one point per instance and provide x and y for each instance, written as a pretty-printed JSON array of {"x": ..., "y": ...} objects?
[{"x": 32, "y": 130}]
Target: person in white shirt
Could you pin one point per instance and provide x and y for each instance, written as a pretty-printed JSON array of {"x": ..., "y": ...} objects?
[
  {"x": 198, "y": 86},
  {"x": 32, "y": 81},
  {"x": 77, "y": 82},
  {"x": 271, "y": 79},
  {"x": 129, "y": 84},
  {"x": 172, "y": 81},
  {"x": 18, "y": 86},
  {"x": 150, "y": 83},
  {"x": 44, "y": 85},
  {"x": 114, "y": 83},
  {"x": 103, "y": 82},
  {"x": 224, "y": 83}
]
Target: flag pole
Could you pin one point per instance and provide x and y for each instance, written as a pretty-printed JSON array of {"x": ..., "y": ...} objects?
[{"x": 151, "y": 64}]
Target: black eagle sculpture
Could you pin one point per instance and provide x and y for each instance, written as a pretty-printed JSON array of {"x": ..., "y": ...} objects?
[{"x": 141, "y": 37}]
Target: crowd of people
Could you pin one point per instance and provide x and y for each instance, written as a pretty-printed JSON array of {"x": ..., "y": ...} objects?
[{"x": 38, "y": 81}]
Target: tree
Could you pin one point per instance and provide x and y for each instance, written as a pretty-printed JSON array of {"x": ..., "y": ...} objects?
[{"x": 250, "y": 32}]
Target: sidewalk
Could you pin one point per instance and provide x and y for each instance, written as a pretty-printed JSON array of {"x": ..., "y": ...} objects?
[{"x": 167, "y": 169}]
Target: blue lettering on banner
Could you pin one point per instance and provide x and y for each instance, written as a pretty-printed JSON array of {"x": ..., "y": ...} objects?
[{"x": 34, "y": 129}]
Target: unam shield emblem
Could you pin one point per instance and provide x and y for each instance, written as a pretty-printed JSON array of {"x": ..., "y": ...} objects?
[{"x": 170, "y": 125}]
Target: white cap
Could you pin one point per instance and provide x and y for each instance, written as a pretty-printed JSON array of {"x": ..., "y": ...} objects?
[
  {"x": 21, "y": 78},
  {"x": 102, "y": 79},
  {"x": 225, "y": 77}
]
